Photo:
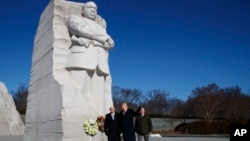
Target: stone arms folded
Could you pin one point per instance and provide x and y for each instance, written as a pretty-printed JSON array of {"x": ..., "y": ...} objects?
[
  {"x": 86, "y": 31},
  {"x": 83, "y": 42}
]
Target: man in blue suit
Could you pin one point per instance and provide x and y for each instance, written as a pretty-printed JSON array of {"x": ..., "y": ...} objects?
[{"x": 127, "y": 126}]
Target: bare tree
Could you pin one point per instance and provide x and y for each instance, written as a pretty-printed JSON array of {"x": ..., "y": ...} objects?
[
  {"x": 205, "y": 102},
  {"x": 177, "y": 108},
  {"x": 20, "y": 98},
  {"x": 157, "y": 101},
  {"x": 213, "y": 102},
  {"x": 132, "y": 96},
  {"x": 208, "y": 102},
  {"x": 236, "y": 105},
  {"x": 116, "y": 96}
]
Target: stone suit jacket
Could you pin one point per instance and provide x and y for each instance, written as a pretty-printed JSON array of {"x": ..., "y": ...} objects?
[{"x": 93, "y": 55}]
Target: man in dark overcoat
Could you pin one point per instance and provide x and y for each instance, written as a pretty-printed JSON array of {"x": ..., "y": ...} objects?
[
  {"x": 126, "y": 122},
  {"x": 111, "y": 125}
]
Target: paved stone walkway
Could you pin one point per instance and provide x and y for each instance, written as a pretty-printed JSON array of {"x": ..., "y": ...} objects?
[
  {"x": 190, "y": 139},
  {"x": 20, "y": 138}
]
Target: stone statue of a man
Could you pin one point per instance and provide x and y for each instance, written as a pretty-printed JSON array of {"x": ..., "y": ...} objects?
[{"x": 88, "y": 59}]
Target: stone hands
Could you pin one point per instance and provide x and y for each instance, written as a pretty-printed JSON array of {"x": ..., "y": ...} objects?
[
  {"x": 82, "y": 42},
  {"x": 109, "y": 43},
  {"x": 77, "y": 41},
  {"x": 87, "y": 44}
]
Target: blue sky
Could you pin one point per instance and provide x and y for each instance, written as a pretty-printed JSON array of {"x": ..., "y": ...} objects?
[{"x": 176, "y": 45}]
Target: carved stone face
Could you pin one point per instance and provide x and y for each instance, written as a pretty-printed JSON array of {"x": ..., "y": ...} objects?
[{"x": 90, "y": 10}]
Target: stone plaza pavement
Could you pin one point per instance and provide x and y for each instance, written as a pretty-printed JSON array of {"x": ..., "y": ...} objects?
[
  {"x": 167, "y": 138},
  {"x": 11, "y": 138},
  {"x": 189, "y": 139}
]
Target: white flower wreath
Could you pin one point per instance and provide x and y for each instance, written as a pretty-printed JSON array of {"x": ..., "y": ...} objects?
[{"x": 90, "y": 127}]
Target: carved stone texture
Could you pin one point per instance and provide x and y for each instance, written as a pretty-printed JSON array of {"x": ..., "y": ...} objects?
[
  {"x": 10, "y": 120},
  {"x": 58, "y": 102}
]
